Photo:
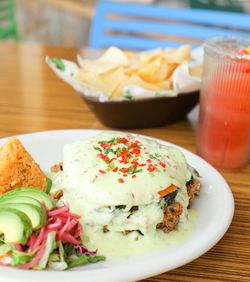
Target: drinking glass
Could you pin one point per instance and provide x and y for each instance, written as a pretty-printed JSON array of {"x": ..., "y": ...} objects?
[{"x": 223, "y": 137}]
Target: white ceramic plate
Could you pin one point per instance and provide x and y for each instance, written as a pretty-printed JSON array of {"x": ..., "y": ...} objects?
[{"x": 215, "y": 211}]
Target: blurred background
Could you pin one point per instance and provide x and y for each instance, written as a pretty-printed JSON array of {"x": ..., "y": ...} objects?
[{"x": 66, "y": 22}]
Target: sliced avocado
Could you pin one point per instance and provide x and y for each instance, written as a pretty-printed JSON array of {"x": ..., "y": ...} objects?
[
  {"x": 32, "y": 192},
  {"x": 34, "y": 213},
  {"x": 20, "y": 199},
  {"x": 13, "y": 199},
  {"x": 15, "y": 225}
]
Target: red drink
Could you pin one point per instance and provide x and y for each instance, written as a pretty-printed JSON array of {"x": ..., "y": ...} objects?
[{"x": 224, "y": 121}]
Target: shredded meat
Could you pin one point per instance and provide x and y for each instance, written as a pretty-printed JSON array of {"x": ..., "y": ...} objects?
[
  {"x": 193, "y": 189},
  {"x": 57, "y": 167},
  {"x": 171, "y": 217},
  {"x": 173, "y": 211}
]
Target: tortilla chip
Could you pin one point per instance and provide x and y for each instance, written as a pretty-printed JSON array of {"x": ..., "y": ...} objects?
[
  {"x": 148, "y": 57},
  {"x": 95, "y": 81},
  {"x": 111, "y": 59},
  {"x": 136, "y": 80},
  {"x": 155, "y": 71},
  {"x": 113, "y": 78},
  {"x": 179, "y": 55},
  {"x": 166, "y": 84}
]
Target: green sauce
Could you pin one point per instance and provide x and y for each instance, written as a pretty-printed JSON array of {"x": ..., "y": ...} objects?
[
  {"x": 117, "y": 245},
  {"x": 114, "y": 169}
]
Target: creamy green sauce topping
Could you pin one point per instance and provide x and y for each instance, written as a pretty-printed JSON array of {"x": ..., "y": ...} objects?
[
  {"x": 98, "y": 174},
  {"x": 117, "y": 245},
  {"x": 116, "y": 169}
]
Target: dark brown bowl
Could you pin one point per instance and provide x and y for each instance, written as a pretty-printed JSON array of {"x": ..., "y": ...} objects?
[{"x": 143, "y": 113}]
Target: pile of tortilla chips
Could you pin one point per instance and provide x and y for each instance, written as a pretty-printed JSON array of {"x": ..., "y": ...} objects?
[{"x": 115, "y": 70}]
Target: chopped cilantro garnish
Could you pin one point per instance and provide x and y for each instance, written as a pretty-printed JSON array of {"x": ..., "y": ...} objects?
[
  {"x": 59, "y": 63},
  {"x": 128, "y": 95},
  {"x": 109, "y": 150},
  {"x": 131, "y": 170},
  {"x": 157, "y": 94},
  {"x": 154, "y": 156},
  {"x": 111, "y": 166},
  {"x": 113, "y": 141}
]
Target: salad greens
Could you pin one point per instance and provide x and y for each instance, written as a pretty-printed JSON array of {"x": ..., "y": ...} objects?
[{"x": 56, "y": 245}]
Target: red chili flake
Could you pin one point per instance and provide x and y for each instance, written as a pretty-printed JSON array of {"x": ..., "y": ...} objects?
[
  {"x": 102, "y": 156},
  {"x": 123, "y": 140},
  {"x": 149, "y": 161},
  {"x": 135, "y": 164},
  {"x": 120, "y": 180},
  {"x": 142, "y": 164},
  {"x": 105, "y": 145},
  {"x": 125, "y": 175},
  {"x": 115, "y": 169},
  {"x": 124, "y": 169},
  {"x": 124, "y": 155},
  {"x": 162, "y": 164},
  {"x": 102, "y": 171},
  {"x": 134, "y": 144},
  {"x": 151, "y": 168},
  {"x": 134, "y": 176},
  {"x": 111, "y": 160},
  {"x": 136, "y": 151}
]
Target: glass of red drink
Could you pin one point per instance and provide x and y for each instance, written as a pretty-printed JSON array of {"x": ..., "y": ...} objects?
[{"x": 224, "y": 120}]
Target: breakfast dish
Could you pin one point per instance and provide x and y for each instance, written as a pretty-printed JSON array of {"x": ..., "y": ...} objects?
[
  {"x": 117, "y": 183},
  {"x": 214, "y": 192},
  {"x": 126, "y": 185}
]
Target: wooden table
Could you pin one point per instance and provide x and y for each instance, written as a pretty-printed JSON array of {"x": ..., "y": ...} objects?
[{"x": 32, "y": 99}]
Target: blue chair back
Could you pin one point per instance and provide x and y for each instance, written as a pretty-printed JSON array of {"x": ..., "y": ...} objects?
[{"x": 138, "y": 26}]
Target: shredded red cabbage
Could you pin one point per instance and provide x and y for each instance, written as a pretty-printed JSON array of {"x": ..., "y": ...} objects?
[
  {"x": 68, "y": 230},
  {"x": 84, "y": 251}
]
